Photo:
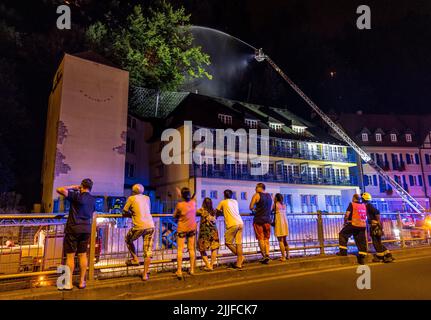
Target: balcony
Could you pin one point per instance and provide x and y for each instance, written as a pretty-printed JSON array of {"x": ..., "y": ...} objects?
[
  {"x": 298, "y": 153},
  {"x": 209, "y": 171}
]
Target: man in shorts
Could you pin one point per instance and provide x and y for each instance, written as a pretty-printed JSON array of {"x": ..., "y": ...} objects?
[
  {"x": 261, "y": 204},
  {"x": 138, "y": 207},
  {"x": 234, "y": 226},
  {"x": 78, "y": 227}
]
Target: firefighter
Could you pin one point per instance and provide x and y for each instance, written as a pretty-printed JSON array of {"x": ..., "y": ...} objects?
[
  {"x": 355, "y": 225},
  {"x": 376, "y": 231}
]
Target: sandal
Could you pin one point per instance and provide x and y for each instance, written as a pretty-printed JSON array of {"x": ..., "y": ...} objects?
[{"x": 132, "y": 262}]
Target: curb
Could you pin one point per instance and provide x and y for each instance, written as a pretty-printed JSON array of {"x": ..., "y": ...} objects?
[{"x": 128, "y": 287}]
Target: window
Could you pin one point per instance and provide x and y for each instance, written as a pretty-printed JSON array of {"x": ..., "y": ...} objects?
[
  {"x": 251, "y": 123},
  {"x": 415, "y": 180},
  {"x": 203, "y": 194},
  {"x": 299, "y": 129},
  {"x": 427, "y": 159},
  {"x": 365, "y": 137},
  {"x": 378, "y": 137},
  {"x": 130, "y": 170},
  {"x": 131, "y": 122},
  {"x": 393, "y": 137},
  {"x": 234, "y": 195},
  {"x": 275, "y": 126},
  {"x": 408, "y": 137},
  {"x": 130, "y": 145},
  {"x": 213, "y": 194},
  {"x": 243, "y": 195},
  {"x": 226, "y": 119}
]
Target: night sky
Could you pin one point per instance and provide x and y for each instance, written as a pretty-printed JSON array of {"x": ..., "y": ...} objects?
[{"x": 384, "y": 70}]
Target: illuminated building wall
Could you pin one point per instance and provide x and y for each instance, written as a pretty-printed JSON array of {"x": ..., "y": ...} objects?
[{"x": 86, "y": 129}]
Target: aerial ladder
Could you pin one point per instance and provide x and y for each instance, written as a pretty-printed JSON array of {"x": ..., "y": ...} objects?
[{"x": 412, "y": 202}]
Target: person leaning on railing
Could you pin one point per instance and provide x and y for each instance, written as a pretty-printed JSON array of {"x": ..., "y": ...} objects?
[
  {"x": 281, "y": 227},
  {"x": 185, "y": 212},
  {"x": 376, "y": 231},
  {"x": 355, "y": 223},
  {"x": 261, "y": 204},
  {"x": 78, "y": 227},
  {"x": 208, "y": 238},
  {"x": 233, "y": 226},
  {"x": 138, "y": 207}
]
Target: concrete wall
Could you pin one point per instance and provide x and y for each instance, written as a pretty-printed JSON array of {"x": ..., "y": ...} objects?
[{"x": 88, "y": 115}]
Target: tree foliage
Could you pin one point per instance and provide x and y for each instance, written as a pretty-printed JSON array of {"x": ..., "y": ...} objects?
[{"x": 154, "y": 45}]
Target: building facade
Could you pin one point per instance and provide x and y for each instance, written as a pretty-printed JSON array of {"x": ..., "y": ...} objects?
[
  {"x": 313, "y": 170},
  {"x": 400, "y": 145}
]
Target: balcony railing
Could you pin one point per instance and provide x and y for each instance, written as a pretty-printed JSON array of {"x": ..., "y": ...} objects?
[
  {"x": 210, "y": 172},
  {"x": 295, "y": 153}
]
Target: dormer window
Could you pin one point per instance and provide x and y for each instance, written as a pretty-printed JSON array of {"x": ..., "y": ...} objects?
[
  {"x": 393, "y": 137},
  {"x": 298, "y": 129},
  {"x": 378, "y": 137},
  {"x": 365, "y": 137},
  {"x": 408, "y": 137},
  {"x": 275, "y": 126},
  {"x": 251, "y": 123},
  {"x": 226, "y": 119}
]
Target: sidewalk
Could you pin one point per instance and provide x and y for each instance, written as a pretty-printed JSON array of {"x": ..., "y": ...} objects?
[{"x": 130, "y": 287}]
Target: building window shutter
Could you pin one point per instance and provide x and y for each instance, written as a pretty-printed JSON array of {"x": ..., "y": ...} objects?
[
  {"x": 427, "y": 158},
  {"x": 429, "y": 180},
  {"x": 382, "y": 184},
  {"x": 366, "y": 180},
  {"x": 411, "y": 180},
  {"x": 408, "y": 158},
  {"x": 416, "y": 158},
  {"x": 375, "y": 180},
  {"x": 420, "y": 181}
]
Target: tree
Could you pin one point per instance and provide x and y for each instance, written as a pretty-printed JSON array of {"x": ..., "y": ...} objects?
[{"x": 155, "y": 46}]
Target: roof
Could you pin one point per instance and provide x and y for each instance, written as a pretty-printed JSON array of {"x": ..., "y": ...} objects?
[
  {"x": 176, "y": 107},
  {"x": 143, "y": 102},
  {"x": 355, "y": 124}
]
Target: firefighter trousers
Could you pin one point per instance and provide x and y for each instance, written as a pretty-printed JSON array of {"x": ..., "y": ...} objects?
[
  {"x": 359, "y": 234},
  {"x": 380, "y": 248}
]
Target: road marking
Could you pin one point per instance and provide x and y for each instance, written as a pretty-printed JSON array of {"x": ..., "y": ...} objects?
[{"x": 267, "y": 279}]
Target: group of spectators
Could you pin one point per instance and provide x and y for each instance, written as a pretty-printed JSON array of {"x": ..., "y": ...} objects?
[{"x": 267, "y": 212}]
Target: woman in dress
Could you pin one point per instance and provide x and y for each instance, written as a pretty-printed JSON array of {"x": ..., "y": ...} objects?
[
  {"x": 185, "y": 212},
  {"x": 281, "y": 227},
  {"x": 208, "y": 235}
]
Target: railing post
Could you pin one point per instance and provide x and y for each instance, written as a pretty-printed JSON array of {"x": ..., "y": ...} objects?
[
  {"x": 400, "y": 228},
  {"x": 320, "y": 234},
  {"x": 92, "y": 257}
]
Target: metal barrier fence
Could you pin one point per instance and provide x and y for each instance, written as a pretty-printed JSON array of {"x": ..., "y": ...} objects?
[{"x": 31, "y": 245}]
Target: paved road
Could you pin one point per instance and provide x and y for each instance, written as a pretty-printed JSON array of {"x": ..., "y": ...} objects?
[{"x": 404, "y": 279}]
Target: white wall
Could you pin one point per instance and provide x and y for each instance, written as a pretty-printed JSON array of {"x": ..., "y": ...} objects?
[{"x": 220, "y": 185}]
